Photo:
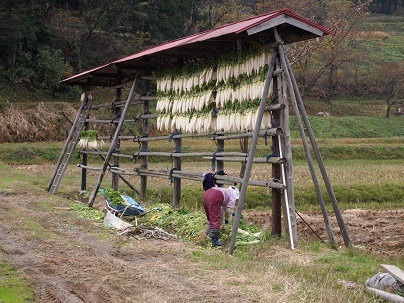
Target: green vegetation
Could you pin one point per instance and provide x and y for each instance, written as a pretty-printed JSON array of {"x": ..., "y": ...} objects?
[
  {"x": 353, "y": 127},
  {"x": 82, "y": 211},
  {"x": 13, "y": 286},
  {"x": 391, "y": 47}
]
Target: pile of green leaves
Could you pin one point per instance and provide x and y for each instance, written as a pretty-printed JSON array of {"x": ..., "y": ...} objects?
[
  {"x": 90, "y": 135},
  {"x": 192, "y": 225},
  {"x": 83, "y": 211},
  {"x": 114, "y": 197}
]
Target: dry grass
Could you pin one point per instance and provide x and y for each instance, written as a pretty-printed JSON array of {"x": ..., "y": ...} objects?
[
  {"x": 39, "y": 123},
  {"x": 373, "y": 35}
]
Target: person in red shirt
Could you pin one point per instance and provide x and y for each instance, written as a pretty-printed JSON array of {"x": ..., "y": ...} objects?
[{"x": 214, "y": 200}]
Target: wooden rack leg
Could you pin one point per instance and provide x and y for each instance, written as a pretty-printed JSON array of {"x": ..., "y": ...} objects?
[
  {"x": 320, "y": 162},
  {"x": 177, "y": 181},
  {"x": 276, "y": 171},
  {"x": 117, "y": 112},
  {"x": 112, "y": 146},
  {"x": 307, "y": 152},
  {"x": 145, "y": 147},
  {"x": 253, "y": 148},
  {"x": 289, "y": 209}
]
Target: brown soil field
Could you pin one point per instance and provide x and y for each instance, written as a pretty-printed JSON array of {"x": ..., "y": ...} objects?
[{"x": 70, "y": 259}]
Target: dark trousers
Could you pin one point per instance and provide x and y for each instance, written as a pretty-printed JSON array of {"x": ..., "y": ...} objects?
[{"x": 212, "y": 203}]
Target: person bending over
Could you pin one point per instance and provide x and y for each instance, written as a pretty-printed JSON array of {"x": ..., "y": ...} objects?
[{"x": 214, "y": 200}]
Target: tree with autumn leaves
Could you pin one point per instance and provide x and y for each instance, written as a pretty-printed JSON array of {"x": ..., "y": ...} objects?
[{"x": 42, "y": 42}]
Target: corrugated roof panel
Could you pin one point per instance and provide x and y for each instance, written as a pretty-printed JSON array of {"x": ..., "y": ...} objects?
[{"x": 209, "y": 35}]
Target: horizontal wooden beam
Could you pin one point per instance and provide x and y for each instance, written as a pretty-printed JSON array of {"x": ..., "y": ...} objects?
[{"x": 273, "y": 160}]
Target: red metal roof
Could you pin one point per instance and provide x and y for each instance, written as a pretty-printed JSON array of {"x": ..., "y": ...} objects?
[{"x": 236, "y": 28}]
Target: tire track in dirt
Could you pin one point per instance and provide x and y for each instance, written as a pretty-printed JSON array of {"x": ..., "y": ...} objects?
[{"x": 69, "y": 261}]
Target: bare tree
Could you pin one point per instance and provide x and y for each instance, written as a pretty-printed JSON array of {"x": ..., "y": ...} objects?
[
  {"x": 320, "y": 63},
  {"x": 387, "y": 83}
]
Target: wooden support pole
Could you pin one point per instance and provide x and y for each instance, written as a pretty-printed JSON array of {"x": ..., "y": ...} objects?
[
  {"x": 310, "y": 162},
  {"x": 117, "y": 112},
  {"x": 276, "y": 172},
  {"x": 84, "y": 162},
  {"x": 121, "y": 177},
  {"x": 288, "y": 167},
  {"x": 198, "y": 177},
  {"x": 220, "y": 149},
  {"x": 253, "y": 147},
  {"x": 316, "y": 150},
  {"x": 145, "y": 147},
  {"x": 111, "y": 147},
  {"x": 307, "y": 153},
  {"x": 177, "y": 167}
]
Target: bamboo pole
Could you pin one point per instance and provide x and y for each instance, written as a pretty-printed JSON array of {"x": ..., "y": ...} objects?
[
  {"x": 277, "y": 160},
  {"x": 288, "y": 165},
  {"x": 111, "y": 147},
  {"x": 316, "y": 150},
  {"x": 225, "y": 179},
  {"x": 253, "y": 147},
  {"x": 136, "y": 119},
  {"x": 269, "y": 132},
  {"x": 292, "y": 244}
]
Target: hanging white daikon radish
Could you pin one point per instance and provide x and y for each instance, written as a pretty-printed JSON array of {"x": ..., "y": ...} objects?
[
  {"x": 207, "y": 123},
  {"x": 159, "y": 120},
  {"x": 238, "y": 122},
  {"x": 248, "y": 120},
  {"x": 174, "y": 106},
  {"x": 171, "y": 124}
]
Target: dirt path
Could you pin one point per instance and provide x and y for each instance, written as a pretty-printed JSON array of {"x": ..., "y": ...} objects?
[{"x": 70, "y": 259}]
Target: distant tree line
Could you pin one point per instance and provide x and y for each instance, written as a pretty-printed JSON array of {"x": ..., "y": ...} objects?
[
  {"x": 389, "y": 7},
  {"x": 42, "y": 42}
]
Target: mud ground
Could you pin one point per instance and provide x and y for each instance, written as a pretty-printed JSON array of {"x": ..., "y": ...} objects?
[{"x": 380, "y": 232}]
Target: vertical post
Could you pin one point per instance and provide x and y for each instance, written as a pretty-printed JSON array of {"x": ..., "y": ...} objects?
[
  {"x": 118, "y": 112},
  {"x": 253, "y": 148},
  {"x": 220, "y": 163},
  {"x": 84, "y": 162},
  {"x": 111, "y": 147},
  {"x": 177, "y": 166},
  {"x": 244, "y": 149},
  {"x": 276, "y": 173},
  {"x": 145, "y": 147}
]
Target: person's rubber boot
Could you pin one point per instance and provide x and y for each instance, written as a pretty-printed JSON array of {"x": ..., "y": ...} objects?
[{"x": 216, "y": 242}]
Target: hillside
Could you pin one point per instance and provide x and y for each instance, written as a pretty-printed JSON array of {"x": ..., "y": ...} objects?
[{"x": 28, "y": 115}]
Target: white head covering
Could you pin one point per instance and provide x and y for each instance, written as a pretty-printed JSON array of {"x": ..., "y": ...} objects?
[{"x": 236, "y": 191}]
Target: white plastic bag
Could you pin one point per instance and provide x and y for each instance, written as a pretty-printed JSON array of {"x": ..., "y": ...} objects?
[{"x": 111, "y": 221}]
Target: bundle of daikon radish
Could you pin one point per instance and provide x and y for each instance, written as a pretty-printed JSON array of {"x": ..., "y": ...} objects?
[
  {"x": 223, "y": 98},
  {"x": 89, "y": 139}
]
